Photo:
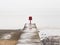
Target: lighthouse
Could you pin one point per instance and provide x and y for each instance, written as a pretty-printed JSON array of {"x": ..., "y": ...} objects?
[{"x": 29, "y": 34}]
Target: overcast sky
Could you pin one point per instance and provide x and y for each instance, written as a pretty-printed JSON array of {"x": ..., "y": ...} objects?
[{"x": 14, "y": 13}]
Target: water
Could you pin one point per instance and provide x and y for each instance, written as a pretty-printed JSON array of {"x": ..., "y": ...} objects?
[{"x": 49, "y": 32}]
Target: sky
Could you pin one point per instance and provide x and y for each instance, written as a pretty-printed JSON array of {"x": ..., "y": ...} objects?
[{"x": 14, "y": 13}]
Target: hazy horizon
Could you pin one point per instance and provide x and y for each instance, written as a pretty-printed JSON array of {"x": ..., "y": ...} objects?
[{"x": 14, "y": 13}]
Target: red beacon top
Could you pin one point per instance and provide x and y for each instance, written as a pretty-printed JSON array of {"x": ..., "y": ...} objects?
[{"x": 30, "y": 18}]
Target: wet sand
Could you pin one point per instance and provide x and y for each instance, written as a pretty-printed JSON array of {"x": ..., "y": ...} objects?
[
  {"x": 8, "y": 42},
  {"x": 4, "y": 37}
]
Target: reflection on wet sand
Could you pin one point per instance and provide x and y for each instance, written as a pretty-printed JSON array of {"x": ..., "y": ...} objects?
[{"x": 9, "y": 37}]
